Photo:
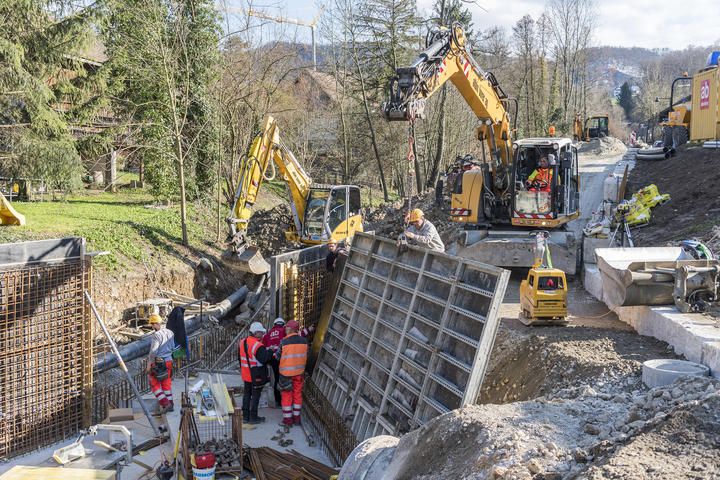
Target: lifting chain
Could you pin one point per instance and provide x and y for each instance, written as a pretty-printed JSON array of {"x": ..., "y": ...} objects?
[{"x": 411, "y": 166}]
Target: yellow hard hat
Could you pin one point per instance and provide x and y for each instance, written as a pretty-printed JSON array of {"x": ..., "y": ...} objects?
[
  {"x": 415, "y": 215},
  {"x": 154, "y": 318},
  {"x": 332, "y": 241}
]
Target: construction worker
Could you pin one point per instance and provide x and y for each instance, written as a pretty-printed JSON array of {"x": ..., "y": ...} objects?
[
  {"x": 159, "y": 363},
  {"x": 253, "y": 357},
  {"x": 540, "y": 180},
  {"x": 334, "y": 250},
  {"x": 293, "y": 357},
  {"x": 271, "y": 341},
  {"x": 422, "y": 232}
]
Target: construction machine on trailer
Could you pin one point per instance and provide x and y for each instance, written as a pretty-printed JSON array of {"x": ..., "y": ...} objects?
[
  {"x": 319, "y": 212},
  {"x": 496, "y": 197}
]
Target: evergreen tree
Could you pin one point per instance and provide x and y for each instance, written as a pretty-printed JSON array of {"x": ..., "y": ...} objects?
[
  {"x": 626, "y": 100},
  {"x": 46, "y": 89}
]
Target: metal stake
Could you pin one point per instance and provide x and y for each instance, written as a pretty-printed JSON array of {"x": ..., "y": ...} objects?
[{"x": 123, "y": 367}]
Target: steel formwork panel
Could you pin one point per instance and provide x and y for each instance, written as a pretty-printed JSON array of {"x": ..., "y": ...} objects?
[{"x": 409, "y": 336}]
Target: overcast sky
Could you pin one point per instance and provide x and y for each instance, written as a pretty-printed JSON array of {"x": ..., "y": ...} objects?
[{"x": 644, "y": 23}]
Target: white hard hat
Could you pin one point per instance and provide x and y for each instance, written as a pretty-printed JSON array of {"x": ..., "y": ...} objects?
[
  {"x": 551, "y": 159},
  {"x": 279, "y": 321},
  {"x": 257, "y": 327}
]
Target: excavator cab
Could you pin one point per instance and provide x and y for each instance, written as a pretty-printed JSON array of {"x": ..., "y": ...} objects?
[
  {"x": 597, "y": 127},
  {"x": 331, "y": 212},
  {"x": 546, "y": 182}
]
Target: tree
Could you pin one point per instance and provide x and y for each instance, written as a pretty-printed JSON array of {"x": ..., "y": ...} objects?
[
  {"x": 47, "y": 88},
  {"x": 626, "y": 100},
  {"x": 163, "y": 55}
]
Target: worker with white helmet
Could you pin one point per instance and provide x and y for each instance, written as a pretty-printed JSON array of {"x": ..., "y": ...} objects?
[
  {"x": 271, "y": 341},
  {"x": 253, "y": 357},
  {"x": 422, "y": 232},
  {"x": 159, "y": 363}
]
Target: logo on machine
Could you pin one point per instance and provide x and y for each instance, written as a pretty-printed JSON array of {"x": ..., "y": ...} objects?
[{"x": 705, "y": 95}]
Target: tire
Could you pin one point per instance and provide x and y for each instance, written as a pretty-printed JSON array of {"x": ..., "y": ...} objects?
[{"x": 667, "y": 137}]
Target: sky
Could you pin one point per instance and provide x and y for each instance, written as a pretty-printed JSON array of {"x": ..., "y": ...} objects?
[{"x": 673, "y": 24}]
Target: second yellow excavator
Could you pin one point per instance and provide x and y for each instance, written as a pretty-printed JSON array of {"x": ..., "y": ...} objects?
[
  {"x": 319, "y": 212},
  {"x": 516, "y": 186}
]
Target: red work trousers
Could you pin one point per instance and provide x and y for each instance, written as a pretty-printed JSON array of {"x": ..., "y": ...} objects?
[
  {"x": 291, "y": 400},
  {"x": 162, "y": 389}
]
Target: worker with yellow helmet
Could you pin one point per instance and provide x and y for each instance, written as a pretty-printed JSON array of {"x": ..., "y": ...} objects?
[
  {"x": 422, "y": 232},
  {"x": 159, "y": 363}
]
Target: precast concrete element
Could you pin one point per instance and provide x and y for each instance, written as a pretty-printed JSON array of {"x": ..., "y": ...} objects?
[
  {"x": 639, "y": 276},
  {"x": 409, "y": 336},
  {"x": 659, "y": 372}
]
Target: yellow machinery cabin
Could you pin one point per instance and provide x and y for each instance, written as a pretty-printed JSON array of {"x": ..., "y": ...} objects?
[{"x": 543, "y": 297}]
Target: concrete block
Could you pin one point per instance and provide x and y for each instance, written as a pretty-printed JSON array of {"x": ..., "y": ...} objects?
[
  {"x": 592, "y": 281},
  {"x": 589, "y": 246},
  {"x": 711, "y": 357},
  {"x": 657, "y": 373}
]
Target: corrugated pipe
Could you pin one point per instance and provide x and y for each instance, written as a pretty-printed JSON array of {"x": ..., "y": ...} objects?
[{"x": 141, "y": 347}]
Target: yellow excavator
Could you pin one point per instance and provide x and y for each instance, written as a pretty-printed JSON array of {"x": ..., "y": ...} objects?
[
  {"x": 516, "y": 186},
  {"x": 596, "y": 126},
  {"x": 319, "y": 212}
]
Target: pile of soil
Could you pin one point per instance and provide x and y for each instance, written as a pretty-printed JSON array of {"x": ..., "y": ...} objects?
[
  {"x": 692, "y": 178},
  {"x": 267, "y": 230},
  {"x": 387, "y": 219},
  {"x": 667, "y": 432},
  {"x": 602, "y": 146}
]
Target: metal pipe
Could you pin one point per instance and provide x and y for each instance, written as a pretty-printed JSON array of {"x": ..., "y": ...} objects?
[
  {"x": 123, "y": 367},
  {"x": 141, "y": 347}
]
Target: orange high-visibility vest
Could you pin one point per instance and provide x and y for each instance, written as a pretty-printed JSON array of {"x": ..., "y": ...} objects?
[
  {"x": 542, "y": 175},
  {"x": 245, "y": 363},
  {"x": 293, "y": 356}
]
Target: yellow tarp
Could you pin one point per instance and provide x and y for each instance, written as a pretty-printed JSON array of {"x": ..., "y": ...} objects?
[{"x": 8, "y": 215}]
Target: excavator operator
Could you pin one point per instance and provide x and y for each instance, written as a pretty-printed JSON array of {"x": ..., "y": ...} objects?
[{"x": 540, "y": 180}]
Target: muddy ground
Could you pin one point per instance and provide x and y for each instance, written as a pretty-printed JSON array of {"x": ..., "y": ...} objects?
[{"x": 692, "y": 178}]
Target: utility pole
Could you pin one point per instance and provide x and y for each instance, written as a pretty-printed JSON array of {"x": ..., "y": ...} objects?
[{"x": 311, "y": 25}]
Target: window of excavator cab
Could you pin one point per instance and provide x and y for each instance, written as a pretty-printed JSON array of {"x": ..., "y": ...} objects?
[
  {"x": 337, "y": 210},
  {"x": 532, "y": 189},
  {"x": 315, "y": 213},
  {"x": 550, "y": 283},
  {"x": 603, "y": 123},
  {"x": 355, "y": 205}
]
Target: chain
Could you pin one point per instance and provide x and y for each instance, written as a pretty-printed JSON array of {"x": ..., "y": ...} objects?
[{"x": 411, "y": 164}]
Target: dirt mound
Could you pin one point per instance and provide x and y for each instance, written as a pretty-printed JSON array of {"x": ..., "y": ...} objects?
[
  {"x": 552, "y": 362},
  {"x": 267, "y": 230},
  {"x": 387, "y": 219},
  {"x": 602, "y": 146},
  {"x": 668, "y": 432},
  {"x": 692, "y": 179}
]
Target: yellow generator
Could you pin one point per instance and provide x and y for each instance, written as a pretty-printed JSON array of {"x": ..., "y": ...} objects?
[{"x": 543, "y": 297}]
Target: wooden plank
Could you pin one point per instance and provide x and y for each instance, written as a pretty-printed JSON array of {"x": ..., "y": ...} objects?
[{"x": 49, "y": 473}]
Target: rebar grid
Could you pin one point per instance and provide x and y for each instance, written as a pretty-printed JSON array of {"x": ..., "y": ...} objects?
[
  {"x": 304, "y": 288},
  {"x": 45, "y": 354}
]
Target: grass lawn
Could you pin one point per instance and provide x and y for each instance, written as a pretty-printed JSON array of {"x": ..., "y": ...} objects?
[{"x": 119, "y": 223}]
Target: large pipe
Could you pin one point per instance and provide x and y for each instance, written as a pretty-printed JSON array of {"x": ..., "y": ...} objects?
[{"x": 141, "y": 347}]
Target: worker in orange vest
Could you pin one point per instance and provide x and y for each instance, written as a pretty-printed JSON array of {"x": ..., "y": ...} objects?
[
  {"x": 253, "y": 357},
  {"x": 540, "y": 180},
  {"x": 293, "y": 357}
]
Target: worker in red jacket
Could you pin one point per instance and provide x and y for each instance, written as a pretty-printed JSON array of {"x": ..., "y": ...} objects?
[
  {"x": 293, "y": 357},
  {"x": 271, "y": 341}
]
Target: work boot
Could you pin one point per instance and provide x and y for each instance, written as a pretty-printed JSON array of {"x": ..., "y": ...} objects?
[
  {"x": 254, "y": 419},
  {"x": 296, "y": 420},
  {"x": 287, "y": 422},
  {"x": 170, "y": 407}
]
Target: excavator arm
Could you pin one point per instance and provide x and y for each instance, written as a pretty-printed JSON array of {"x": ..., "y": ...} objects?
[
  {"x": 446, "y": 58},
  {"x": 266, "y": 152}
]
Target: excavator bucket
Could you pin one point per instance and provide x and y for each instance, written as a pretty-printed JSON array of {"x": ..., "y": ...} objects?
[
  {"x": 251, "y": 260},
  {"x": 8, "y": 215}
]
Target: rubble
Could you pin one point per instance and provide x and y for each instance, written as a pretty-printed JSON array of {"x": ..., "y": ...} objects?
[{"x": 602, "y": 146}]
